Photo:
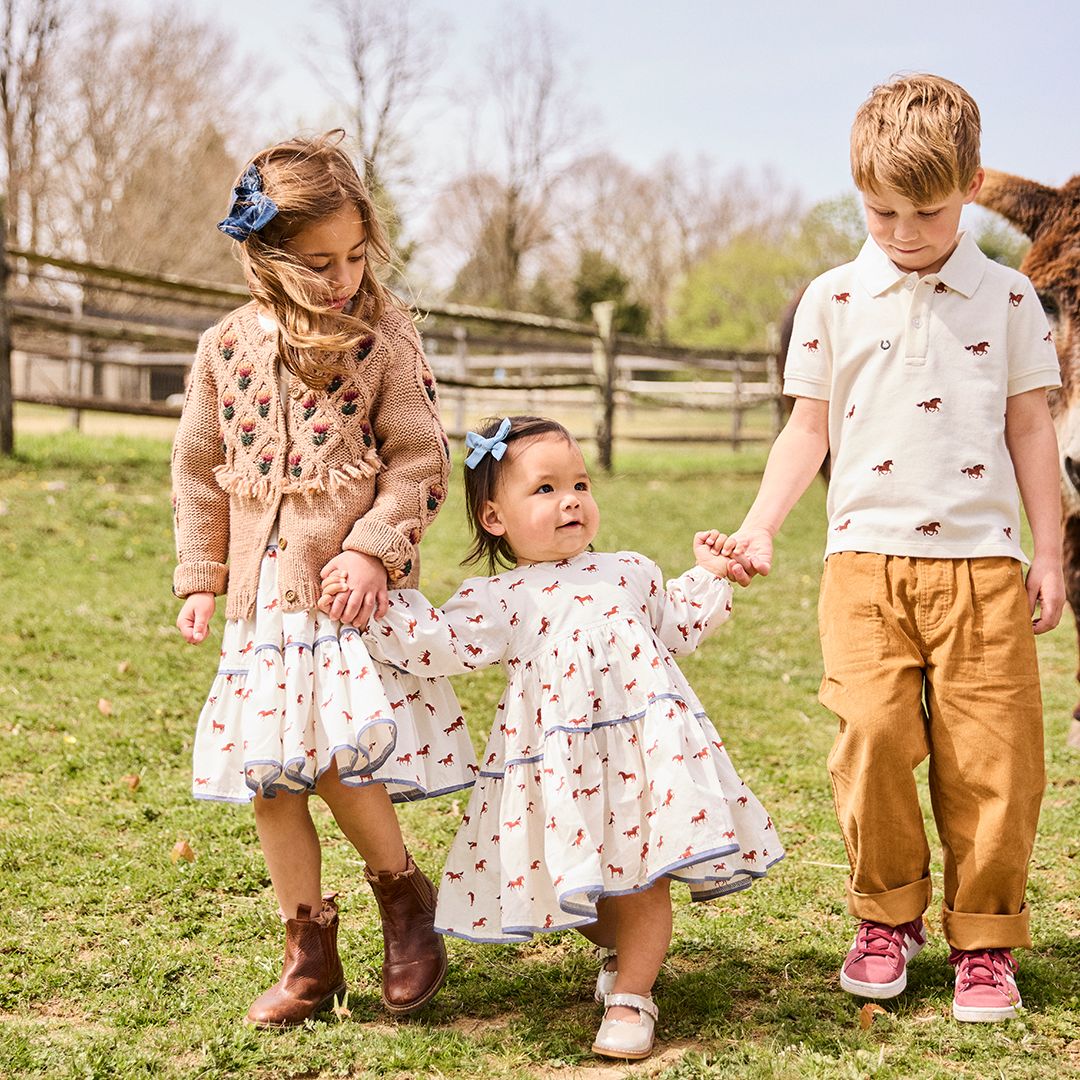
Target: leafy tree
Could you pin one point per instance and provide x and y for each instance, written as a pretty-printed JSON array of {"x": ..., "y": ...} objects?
[
  {"x": 999, "y": 241},
  {"x": 599, "y": 279},
  {"x": 736, "y": 293}
]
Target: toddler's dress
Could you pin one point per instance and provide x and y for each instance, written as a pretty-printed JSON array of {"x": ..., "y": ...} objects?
[
  {"x": 602, "y": 772},
  {"x": 295, "y": 691}
]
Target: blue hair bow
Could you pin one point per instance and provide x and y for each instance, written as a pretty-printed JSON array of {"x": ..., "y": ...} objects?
[
  {"x": 250, "y": 208},
  {"x": 495, "y": 446}
]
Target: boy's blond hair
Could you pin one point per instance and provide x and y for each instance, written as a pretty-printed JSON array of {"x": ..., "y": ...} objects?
[{"x": 917, "y": 135}]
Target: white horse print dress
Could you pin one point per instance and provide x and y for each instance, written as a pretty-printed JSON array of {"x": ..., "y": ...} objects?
[{"x": 602, "y": 772}]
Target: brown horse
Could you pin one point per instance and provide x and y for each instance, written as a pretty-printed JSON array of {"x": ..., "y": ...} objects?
[{"x": 1050, "y": 218}]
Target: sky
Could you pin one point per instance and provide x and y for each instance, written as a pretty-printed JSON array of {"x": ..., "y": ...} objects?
[
  {"x": 772, "y": 84},
  {"x": 768, "y": 87}
]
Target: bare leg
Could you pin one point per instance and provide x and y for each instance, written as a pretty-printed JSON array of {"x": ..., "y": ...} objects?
[
  {"x": 601, "y": 932},
  {"x": 642, "y": 937},
  {"x": 366, "y": 816},
  {"x": 290, "y": 846}
]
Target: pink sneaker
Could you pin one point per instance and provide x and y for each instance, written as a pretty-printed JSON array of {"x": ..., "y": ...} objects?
[
  {"x": 985, "y": 987},
  {"x": 876, "y": 966}
]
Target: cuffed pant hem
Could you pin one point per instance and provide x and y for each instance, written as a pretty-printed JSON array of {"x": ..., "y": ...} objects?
[
  {"x": 893, "y": 907},
  {"x": 971, "y": 930}
]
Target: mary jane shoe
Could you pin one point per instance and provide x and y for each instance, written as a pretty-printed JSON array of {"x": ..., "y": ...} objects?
[
  {"x": 622, "y": 1038},
  {"x": 605, "y": 979}
]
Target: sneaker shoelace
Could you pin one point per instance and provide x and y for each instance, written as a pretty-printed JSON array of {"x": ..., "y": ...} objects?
[
  {"x": 878, "y": 939},
  {"x": 983, "y": 967}
]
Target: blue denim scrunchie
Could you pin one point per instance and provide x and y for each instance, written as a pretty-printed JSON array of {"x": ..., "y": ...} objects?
[{"x": 250, "y": 208}]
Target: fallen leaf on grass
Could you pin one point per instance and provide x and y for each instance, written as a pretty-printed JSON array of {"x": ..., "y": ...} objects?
[
  {"x": 104, "y": 706},
  {"x": 132, "y": 780},
  {"x": 123, "y": 667},
  {"x": 182, "y": 850},
  {"x": 867, "y": 1014}
]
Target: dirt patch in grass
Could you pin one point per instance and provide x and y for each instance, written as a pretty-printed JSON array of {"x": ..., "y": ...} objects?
[{"x": 664, "y": 1056}]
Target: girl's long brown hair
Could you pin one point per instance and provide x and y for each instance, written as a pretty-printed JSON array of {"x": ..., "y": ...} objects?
[{"x": 308, "y": 180}]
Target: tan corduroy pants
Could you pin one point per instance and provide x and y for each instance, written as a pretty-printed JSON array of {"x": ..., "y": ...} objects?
[{"x": 934, "y": 657}]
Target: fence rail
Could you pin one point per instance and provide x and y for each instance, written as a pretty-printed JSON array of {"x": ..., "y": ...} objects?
[{"x": 86, "y": 336}]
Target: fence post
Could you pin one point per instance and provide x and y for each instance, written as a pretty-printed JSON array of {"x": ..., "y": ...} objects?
[
  {"x": 737, "y": 404},
  {"x": 461, "y": 369},
  {"x": 603, "y": 314},
  {"x": 7, "y": 419},
  {"x": 75, "y": 360},
  {"x": 772, "y": 343}
]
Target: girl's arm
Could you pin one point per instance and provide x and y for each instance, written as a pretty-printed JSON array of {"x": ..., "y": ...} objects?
[
  {"x": 685, "y": 610},
  {"x": 412, "y": 446},
  {"x": 1029, "y": 435},
  {"x": 466, "y": 633},
  {"x": 200, "y": 506}
]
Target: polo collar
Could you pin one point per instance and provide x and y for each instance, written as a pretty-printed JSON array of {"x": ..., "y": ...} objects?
[{"x": 962, "y": 272}]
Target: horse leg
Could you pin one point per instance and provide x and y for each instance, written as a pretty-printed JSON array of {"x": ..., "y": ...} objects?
[{"x": 1071, "y": 562}]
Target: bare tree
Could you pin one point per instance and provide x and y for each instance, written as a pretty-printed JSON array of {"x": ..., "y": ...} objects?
[
  {"x": 29, "y": 37},
  {"x": 149, "y": 110},
  {"x": 389, "y": 58},
  {"x": 535, "y": 128}
]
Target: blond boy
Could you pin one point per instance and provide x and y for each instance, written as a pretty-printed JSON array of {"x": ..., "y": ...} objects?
[{"x": 922, "y": 368}]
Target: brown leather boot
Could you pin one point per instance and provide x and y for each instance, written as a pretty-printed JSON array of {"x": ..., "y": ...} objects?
[
  {"x": 311, "y": 975},
  {"x": 414, "y": 956}
]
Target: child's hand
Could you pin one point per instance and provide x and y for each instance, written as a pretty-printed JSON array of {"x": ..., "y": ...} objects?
[
  {"x": 707, "y": 547},
  {"x": 194, "y": 618},
  {"x": 753, "y": 548},
  {"x": 354, "y": 588},
  {"x": 1046, "y": 592}
]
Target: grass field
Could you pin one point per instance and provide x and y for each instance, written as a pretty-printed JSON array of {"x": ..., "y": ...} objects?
[{"x": 116, "y": 962}]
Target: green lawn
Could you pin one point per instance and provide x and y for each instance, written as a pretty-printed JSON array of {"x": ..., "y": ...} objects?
[{"x": 116, "y": 962}]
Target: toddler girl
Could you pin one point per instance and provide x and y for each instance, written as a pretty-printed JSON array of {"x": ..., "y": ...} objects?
[
  {"x": 310, "y": 441},
  {"x": 603, "y": 780}
]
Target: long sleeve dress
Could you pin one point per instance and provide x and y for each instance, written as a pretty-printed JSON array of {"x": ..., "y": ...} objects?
[{"x": 602, "y": 772}]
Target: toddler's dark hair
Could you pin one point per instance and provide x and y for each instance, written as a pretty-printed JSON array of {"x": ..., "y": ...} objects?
[{"x": 481, "y": 483}]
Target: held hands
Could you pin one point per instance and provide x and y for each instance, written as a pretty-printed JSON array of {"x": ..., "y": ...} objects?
[
  {"x": 1046, "y": 593},
  {"x": 752, "y": 546},
  {"x": 707, "y": 547},
  {"x": 194, "y": 618},
  {"x": 354, "y": 588}
]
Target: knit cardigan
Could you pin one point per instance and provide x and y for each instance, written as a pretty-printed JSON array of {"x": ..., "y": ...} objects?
[{"x": 361, "y": 466}]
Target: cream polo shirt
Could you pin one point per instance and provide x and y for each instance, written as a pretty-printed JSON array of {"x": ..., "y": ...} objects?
[{"x": 917, "y": 372}]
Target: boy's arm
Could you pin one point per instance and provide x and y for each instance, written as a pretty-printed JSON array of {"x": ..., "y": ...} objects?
[
  {"x": 1029, "y": 435},
  {"x": 793, "y": 463}
]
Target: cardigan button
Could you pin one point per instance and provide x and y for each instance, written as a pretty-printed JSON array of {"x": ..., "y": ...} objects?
[
  {"x": 291, "y": 597},
  {"x": 282, "y": 543}
]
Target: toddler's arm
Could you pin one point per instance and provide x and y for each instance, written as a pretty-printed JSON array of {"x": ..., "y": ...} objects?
[
  {"x": 793, "y": 463},
  {"x": 685, "y": 610},
  {"x": 466, "y": 633},
  {"x": 1029, "y": 435}
]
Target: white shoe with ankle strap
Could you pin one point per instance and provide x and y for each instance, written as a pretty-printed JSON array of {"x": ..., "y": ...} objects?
[
  {"x": 605, "y": 978},
  {"x": 622, "y": 1038}
]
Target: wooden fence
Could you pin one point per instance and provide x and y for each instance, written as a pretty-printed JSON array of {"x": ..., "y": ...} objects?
[{"x": 83, "y": 336}]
